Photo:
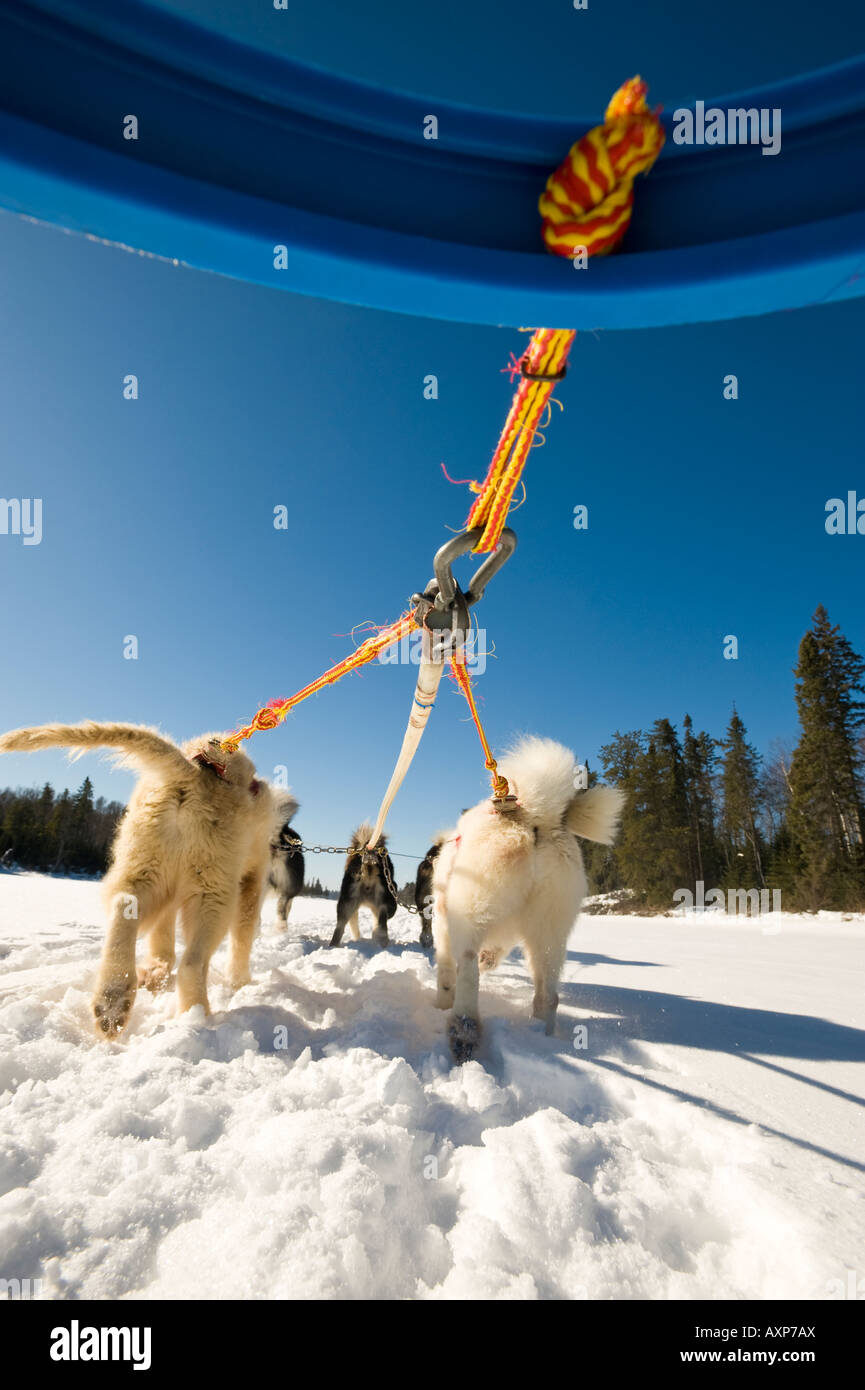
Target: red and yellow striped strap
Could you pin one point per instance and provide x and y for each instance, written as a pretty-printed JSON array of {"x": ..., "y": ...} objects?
[
  {"x": 275, "y": 711},
  {"x": 460, "y": 670}
]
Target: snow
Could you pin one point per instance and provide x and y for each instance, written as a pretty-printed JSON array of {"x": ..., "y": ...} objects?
[{"x": 312, "y": 1139}]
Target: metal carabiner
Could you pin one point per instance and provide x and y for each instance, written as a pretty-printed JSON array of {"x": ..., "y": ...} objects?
[
  {"x": 461, "y": 545},
  {"x": 443, "y": 605}
]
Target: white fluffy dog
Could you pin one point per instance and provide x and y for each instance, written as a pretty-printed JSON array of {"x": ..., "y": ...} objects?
[
  {"x": 515, "y": 876},
  {"x": 195, "y": 839}
]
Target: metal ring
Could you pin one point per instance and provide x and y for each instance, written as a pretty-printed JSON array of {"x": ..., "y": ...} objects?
[{"x": 542, "y": 376}]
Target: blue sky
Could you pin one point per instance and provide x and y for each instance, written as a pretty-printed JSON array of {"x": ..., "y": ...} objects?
[{"x": 706, "y": 517}]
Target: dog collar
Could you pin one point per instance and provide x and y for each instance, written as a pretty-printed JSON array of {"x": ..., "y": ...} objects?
[{"x": 218, "y": 768}]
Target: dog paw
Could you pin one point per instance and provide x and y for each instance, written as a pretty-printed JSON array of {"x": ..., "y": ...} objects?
[
  {"x": 112, "y": 1005},
  {"x": 156, "y": 976},
  {"x": 464, "y": 1035},
  {"x": 381, "y": 938},
  {"x": 238, "y": 980},
  {"x": 426, "y": 939}
]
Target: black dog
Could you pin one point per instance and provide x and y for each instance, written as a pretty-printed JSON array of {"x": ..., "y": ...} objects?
[
  {"x": 286, "y": 862},
  {"x": 364, "y": 885},
  {"x": 423, "y": 894}
]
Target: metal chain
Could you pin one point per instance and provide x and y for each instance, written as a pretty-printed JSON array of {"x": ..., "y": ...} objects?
[
  {"x": 380, "y": 850},
  {"x": 323, "y": 849},
  {"x": 409, "y": 907},
  {"x": 295, "y": 847}
]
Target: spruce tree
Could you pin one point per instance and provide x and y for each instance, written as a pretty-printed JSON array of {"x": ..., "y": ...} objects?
[
  {"x": 827, "y": 817},
  {"x": 81, "y": 851},
  {"x": 59, "y": 829},
  {"x": 653, "y": 850},
  {"x": 699, "y": 759},
  {"x": 620, "y": 759},
  {"x": 674, "y": 866},
  {"x": 740, "y": 780}
]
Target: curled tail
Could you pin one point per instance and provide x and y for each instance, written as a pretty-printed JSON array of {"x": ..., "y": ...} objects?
[
  {"x": 362, "y": 836},
  {"x": 595, "y": 814},
  {"x": 136, "y": 744}
]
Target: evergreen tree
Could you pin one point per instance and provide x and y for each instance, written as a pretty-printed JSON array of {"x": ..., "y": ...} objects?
[
  {"x": 699, "y": 759},
  {"x": 619, "y": 757},
  {"x": 81, "y": 851},
  {"x": 826, "y": 801},
  {"x": 653, "y": 850},
  {"x": 740, "y": 833},
  {"x": 59, "y": 829},
  {"x": 674, "y": 858}
]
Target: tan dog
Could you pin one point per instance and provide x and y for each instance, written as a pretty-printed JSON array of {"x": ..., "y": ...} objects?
[
  {"x": 195, "y": 839},
  {"x": 515, "y": 876}
]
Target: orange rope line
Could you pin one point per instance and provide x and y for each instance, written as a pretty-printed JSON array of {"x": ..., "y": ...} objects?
[
  {"x": 275, "y": 711},
  {"x": 460, "y": 670},
  {"x": 547, "y": 354}
]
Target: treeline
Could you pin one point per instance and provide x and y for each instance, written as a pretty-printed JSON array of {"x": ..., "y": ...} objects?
[
  {"x": 711, "y": 809},
  {"x": 313, "y": 889},
  {"x": 59, "y": 834}
]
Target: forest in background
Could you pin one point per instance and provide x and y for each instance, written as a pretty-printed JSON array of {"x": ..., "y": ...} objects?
[
  {"x": 69, "y": 833},
  {"x": 702, "y": 809}
]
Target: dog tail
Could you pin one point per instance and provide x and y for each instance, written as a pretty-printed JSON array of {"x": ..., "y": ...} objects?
[
  {"x": 435, "y": 848},
  {"x": 595, "y": 814},
  {"x": 135, "y": 744},
  {"x": 362, "y": 836}
]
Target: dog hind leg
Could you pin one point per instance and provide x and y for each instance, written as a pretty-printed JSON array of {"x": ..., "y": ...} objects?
[
  {"x": 465, "y": 1028},
  {"x": 243, "y": 929},
  {"x": 205, "y": 922},
  {"x": 546, "y": 967},
  {"x": 343, "y": 915},
  {"x": 446, "y": 977},
  {"x": 379, "y": 933},
  {"x": 155, "y": 973},
  {"x": 426, "y": 934}
]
